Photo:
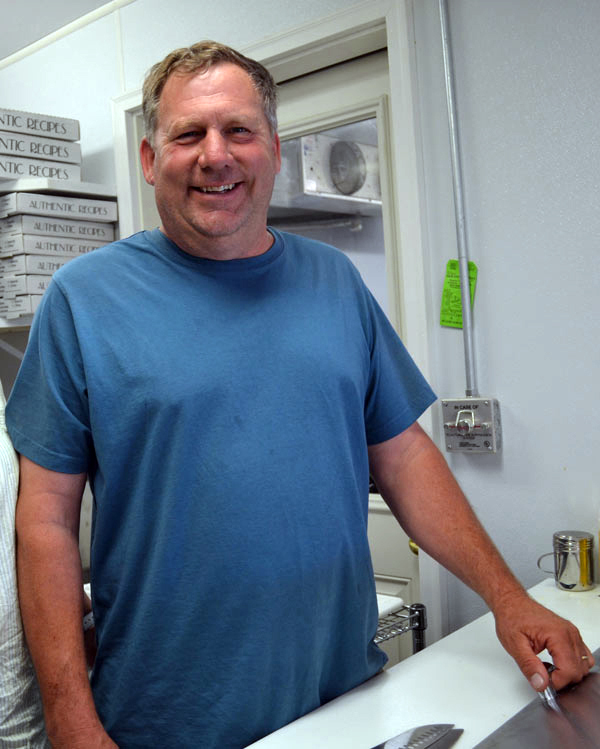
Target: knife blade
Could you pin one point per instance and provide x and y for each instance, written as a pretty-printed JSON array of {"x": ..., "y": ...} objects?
[
  {"x": 421, "y": 737},
  {"x": 548, "y": 696}
]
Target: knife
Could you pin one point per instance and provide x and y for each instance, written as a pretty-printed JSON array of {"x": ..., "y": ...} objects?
[{"x": 424, "y": 737}]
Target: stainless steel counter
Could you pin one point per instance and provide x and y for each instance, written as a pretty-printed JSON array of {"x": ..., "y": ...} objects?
[{"x": 575, "y": 724}]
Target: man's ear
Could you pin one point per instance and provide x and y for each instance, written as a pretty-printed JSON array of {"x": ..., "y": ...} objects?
[
  {"x": 277, "y": 147},
  {"x": 147, "y": 157}
]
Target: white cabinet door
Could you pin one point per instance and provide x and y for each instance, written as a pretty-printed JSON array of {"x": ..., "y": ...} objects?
[{"x": 396, "y": 568}]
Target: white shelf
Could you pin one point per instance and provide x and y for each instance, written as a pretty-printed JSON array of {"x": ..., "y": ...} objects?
[
  {"x": 58, "y": 187},
  {"x": 23, "y": 322}
]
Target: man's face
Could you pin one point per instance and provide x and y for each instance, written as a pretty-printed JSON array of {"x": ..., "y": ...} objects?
[{"x": 213, "y": 164}]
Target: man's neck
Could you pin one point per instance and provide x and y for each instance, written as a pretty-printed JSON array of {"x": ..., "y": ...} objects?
[{"x": 222, "y": 248}]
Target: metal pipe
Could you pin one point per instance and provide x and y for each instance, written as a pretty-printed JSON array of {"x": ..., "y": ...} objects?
[{"x": 463, "y": 255}]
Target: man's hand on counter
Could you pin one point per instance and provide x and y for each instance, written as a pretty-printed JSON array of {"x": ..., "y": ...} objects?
[
  {"x": 526, "y": 628},
  {"x": 417, "y": 484}
]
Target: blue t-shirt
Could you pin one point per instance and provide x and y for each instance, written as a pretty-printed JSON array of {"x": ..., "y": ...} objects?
[{"x": 222, "y": 410}]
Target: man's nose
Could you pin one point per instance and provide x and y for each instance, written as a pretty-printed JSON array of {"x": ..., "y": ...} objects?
[{"x": 214, "y": 151}]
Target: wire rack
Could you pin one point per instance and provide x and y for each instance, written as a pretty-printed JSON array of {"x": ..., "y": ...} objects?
[{"x": 412, "y": 618}]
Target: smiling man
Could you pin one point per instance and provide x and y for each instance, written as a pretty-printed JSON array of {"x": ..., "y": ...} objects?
[
  {"x": 227, "y": 390},
  {"x": 213, "y": 160}
]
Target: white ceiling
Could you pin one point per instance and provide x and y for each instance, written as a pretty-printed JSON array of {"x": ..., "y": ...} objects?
[{"x": 27, "y": 21}]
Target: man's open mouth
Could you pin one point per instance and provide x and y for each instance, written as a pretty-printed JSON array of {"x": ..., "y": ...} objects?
[{"x": 217, "y": 188}]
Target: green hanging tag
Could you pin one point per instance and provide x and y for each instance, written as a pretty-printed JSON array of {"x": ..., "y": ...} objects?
[{"x": 451, "y": 309}]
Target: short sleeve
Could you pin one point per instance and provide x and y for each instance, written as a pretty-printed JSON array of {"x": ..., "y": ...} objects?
[
  {"x": 47, "y": 413},
  {"x": 397, "y": 392}
]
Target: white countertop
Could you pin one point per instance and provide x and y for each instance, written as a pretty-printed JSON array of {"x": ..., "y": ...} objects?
[{"x": 466, "y": 678}]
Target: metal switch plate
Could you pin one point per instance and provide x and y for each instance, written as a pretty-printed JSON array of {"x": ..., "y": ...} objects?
[{"x": 472, "y": 425}]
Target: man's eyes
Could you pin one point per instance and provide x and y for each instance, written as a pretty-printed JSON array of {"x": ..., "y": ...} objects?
[
  {"x": 189, "y": 134},
  {"x": 198, "y": 134}
]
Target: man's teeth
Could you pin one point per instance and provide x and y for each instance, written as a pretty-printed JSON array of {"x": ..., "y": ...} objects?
[{"x": 218, "y": 188}]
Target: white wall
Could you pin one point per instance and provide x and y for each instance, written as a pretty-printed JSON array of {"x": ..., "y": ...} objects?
[
  {"x": 526, "y": 73},
  {"x": 526, "y": 77}
]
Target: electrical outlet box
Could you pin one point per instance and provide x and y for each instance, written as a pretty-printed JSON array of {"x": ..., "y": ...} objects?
[{"x": 472, "y": 425}]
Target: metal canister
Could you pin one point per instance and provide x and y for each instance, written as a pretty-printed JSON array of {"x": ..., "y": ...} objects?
[{"x": 573, "y": 560}]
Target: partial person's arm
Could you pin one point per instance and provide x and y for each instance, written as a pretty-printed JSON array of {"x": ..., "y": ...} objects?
[
  {"x": 415, "y": 481},
  {"x": 50, "y": 585}
]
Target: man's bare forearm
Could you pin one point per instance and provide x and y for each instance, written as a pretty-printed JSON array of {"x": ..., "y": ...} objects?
[
  {"x": 414, "y": 479},
  {"x": 51, "y": 599},
  {"x": 426, "y": 499},
  {"x": 52, "y": 613}
]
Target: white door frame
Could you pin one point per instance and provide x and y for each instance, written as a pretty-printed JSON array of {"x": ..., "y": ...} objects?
[{"x": 361, "y": 29}]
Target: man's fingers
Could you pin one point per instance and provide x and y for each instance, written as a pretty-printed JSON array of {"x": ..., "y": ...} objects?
[
  {"x": 529, "y": 629},
  {"x": 573, "y": 666},
  {"x": 531, "y": 666}
]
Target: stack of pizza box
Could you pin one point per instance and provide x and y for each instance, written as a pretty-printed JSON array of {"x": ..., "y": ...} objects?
[
  {"x": 39, "y": 233},
  {"x": 38, "y": 145},
  {"x": 47, "y": 215}
]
